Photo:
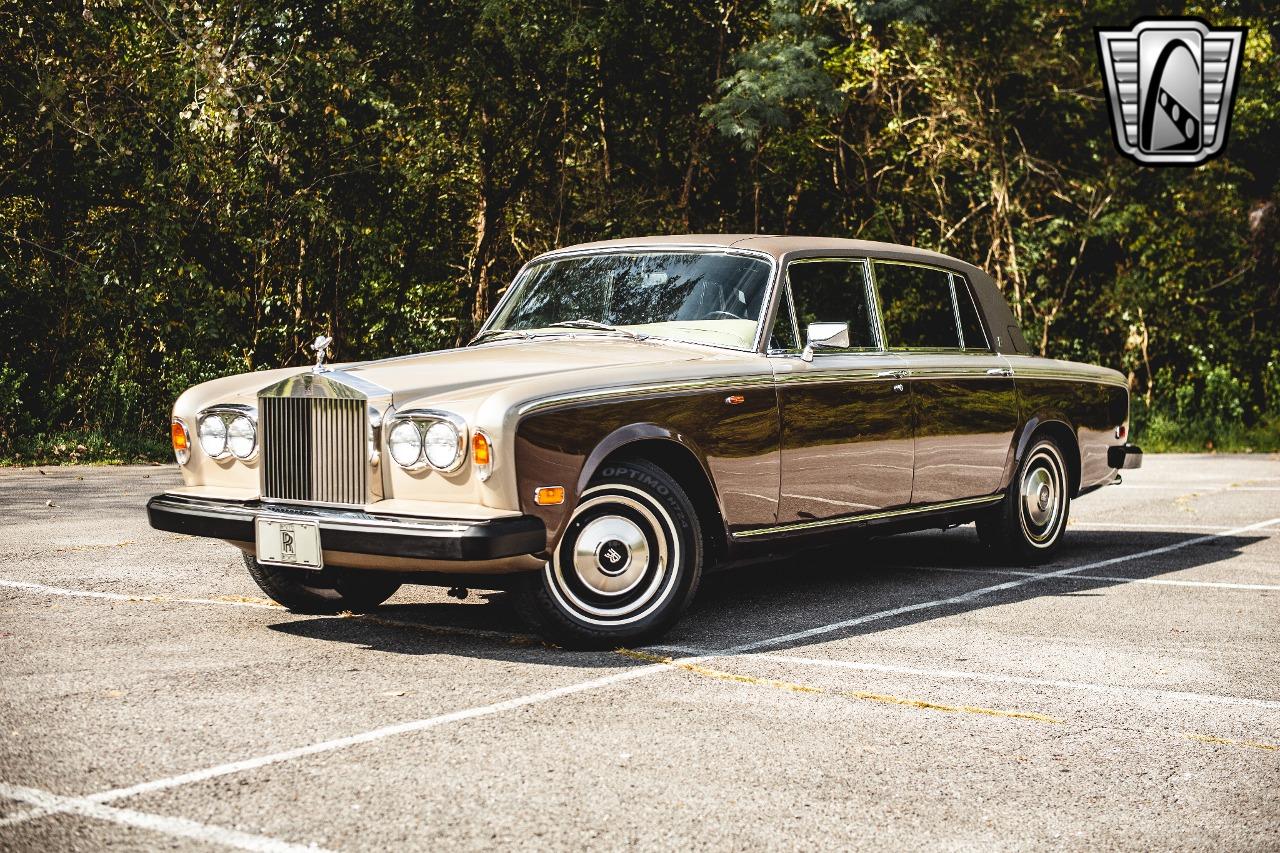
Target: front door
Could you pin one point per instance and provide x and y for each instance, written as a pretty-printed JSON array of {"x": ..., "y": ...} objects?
[
  {"x": 846, "y": 436},
  {"x": 964, "y": 403}
]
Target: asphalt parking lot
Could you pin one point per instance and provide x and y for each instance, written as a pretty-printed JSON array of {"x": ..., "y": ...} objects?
[{"x": 902, "y": 693}]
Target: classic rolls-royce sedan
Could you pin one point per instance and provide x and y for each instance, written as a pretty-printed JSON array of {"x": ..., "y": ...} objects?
[{"x": 635, "y": 413}]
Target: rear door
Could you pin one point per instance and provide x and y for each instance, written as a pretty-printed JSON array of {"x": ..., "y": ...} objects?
[
  {"x": 846, "y": 414},
  {"x": 964, "y": 406}
]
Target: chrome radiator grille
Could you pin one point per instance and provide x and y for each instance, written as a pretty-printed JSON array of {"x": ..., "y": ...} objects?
[{"x": 314, "y": 449}]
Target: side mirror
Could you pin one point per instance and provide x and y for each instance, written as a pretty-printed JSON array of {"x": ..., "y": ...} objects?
[{"x": 825, "y": 335}]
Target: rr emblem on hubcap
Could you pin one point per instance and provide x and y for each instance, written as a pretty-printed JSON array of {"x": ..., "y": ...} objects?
[{"x": 613, "y": 557}]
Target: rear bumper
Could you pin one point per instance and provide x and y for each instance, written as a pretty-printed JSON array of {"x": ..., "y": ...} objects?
[
  {"x": 1124, "y": 456},
  {"x": 356, "y": 532}
]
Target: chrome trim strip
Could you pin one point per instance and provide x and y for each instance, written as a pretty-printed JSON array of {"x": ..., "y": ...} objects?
[
  {"x": 1064, "y": 375},
  {"x": 869, "y": 516},
  {"x": 715, "y": 384}
]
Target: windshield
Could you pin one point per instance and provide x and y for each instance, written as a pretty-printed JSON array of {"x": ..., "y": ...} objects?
[{"x": 703, "y": 297}]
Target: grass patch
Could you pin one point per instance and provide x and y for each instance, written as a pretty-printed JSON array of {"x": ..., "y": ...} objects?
[
  {"x": 1162, "y": 434},
  {"x": 70, "y": 447}
]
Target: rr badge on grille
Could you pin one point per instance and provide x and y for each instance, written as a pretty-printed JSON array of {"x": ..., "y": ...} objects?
[{"x": 1170, "y": 84}]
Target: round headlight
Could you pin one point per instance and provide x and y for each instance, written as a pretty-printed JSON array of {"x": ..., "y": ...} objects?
[
  {"x": 242, "y": 438},
  {"x": 213, "y": 435},
  {"x": 443, "y": 446},
  {"x": 405, "y": 444}
]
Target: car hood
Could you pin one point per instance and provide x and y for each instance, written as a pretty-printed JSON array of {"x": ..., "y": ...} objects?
[
  {"x": 505, "y": 371},
  {"x": 579, "y": 361}
]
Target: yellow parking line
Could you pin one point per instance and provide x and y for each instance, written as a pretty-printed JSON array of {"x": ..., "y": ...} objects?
[
  {"x": 793, "y": 687},
  {"x": 450, "y": 630}
]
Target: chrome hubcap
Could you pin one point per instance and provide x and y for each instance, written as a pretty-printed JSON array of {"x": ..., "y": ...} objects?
[
  {"x": 617, "y": 561},
  {"x": 610, "y": 555},
  {"x": 1039, "y": 496},
  {"x": 1043, "y": 496}
]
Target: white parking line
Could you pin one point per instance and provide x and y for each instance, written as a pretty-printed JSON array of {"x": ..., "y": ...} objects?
[
  {"x": 1113, "y": 578},
  {"x": 1000, "y": 678},
  {"x": 966, "y": 597},
  {"x": 1204, "y": 488},
  {"x": 1167, "y": 527},
  {"x": 48, "y": 803},
  {"x": 377, "y": 734},
  {"x": 117, "y": 596},
  {"x": 629, "y": 675}
]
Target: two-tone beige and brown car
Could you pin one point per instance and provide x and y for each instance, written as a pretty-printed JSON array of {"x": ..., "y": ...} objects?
[{"x": 637, "y": 412}]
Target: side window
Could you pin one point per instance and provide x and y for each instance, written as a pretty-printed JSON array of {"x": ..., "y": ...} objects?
[
  {"x": 783, "y": 336},
  {"x": 832, "y": 292},
  {"x": 970, "y": 325},
  {"x": 917, "y": 307}
]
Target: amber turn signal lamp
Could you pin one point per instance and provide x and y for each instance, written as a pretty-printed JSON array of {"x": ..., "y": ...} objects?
[
  {"x": 480, "y": 450},
  {"x": 548, "y": 495},
  {"x": 181, "y": 440},
  {"x": 482, "y": 455}
]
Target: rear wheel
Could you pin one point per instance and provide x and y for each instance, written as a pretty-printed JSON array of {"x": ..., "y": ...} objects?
[
  {"x": 627, "y": 565},
  {"x": 331, "y": 590},
  {"x": 1027, "y": 526}
]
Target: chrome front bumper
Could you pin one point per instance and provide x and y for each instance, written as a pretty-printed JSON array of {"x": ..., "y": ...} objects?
[{"x": 357, "y": 532}]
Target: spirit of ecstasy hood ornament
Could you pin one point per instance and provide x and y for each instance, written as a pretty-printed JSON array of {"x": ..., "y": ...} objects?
[{"x": 319, "y": 347}]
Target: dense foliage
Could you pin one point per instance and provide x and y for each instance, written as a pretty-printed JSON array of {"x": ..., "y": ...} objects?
[{"x": 193, "y": 188}]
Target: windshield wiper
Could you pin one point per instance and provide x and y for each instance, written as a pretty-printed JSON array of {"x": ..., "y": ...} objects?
[
  {"x": 493, "y": 333},
  {"x": 592, "y": 324}
]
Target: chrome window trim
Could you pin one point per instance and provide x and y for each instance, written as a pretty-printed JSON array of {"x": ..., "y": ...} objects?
[
  {"x": 868, "y": 516},
  {"x": 873, "y": 308},
  {"x": 766, "y": 303},
  {"x": 962, "y": 283},
  {"x": 955, "y": 309}
]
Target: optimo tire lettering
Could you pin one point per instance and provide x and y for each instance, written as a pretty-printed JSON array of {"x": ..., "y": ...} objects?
[{"x": 637, "y": 476}]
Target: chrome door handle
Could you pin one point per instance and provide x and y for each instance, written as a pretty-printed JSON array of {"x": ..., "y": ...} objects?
[
  {"x": 999, "y": 371},
  {"x": 892, "y": 374}
]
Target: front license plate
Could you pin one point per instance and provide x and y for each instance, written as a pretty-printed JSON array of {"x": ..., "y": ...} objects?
[{"x": 289, "y": 543}]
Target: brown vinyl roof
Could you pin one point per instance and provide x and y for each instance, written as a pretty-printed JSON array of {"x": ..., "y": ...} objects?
[
  {"x": 779, "y": 245},
  {"x": 992, "y": 304}
]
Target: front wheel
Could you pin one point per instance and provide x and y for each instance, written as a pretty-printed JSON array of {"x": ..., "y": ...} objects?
[
  {"x": 1026, "y": 527},
  {"x": 325, "y": 592},
  {"x": 627, "y": 565}
]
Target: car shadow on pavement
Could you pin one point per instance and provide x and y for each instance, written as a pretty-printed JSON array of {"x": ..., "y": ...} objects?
[{"x": 803, "y": 592}]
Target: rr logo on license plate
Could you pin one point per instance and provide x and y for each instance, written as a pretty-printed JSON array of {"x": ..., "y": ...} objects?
[{"x": 288, "y": 543}]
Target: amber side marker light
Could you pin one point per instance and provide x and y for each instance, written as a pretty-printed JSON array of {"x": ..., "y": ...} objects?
[
  {"x": 548, "y": 495},
  {"x": 181, "y": 440}
]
